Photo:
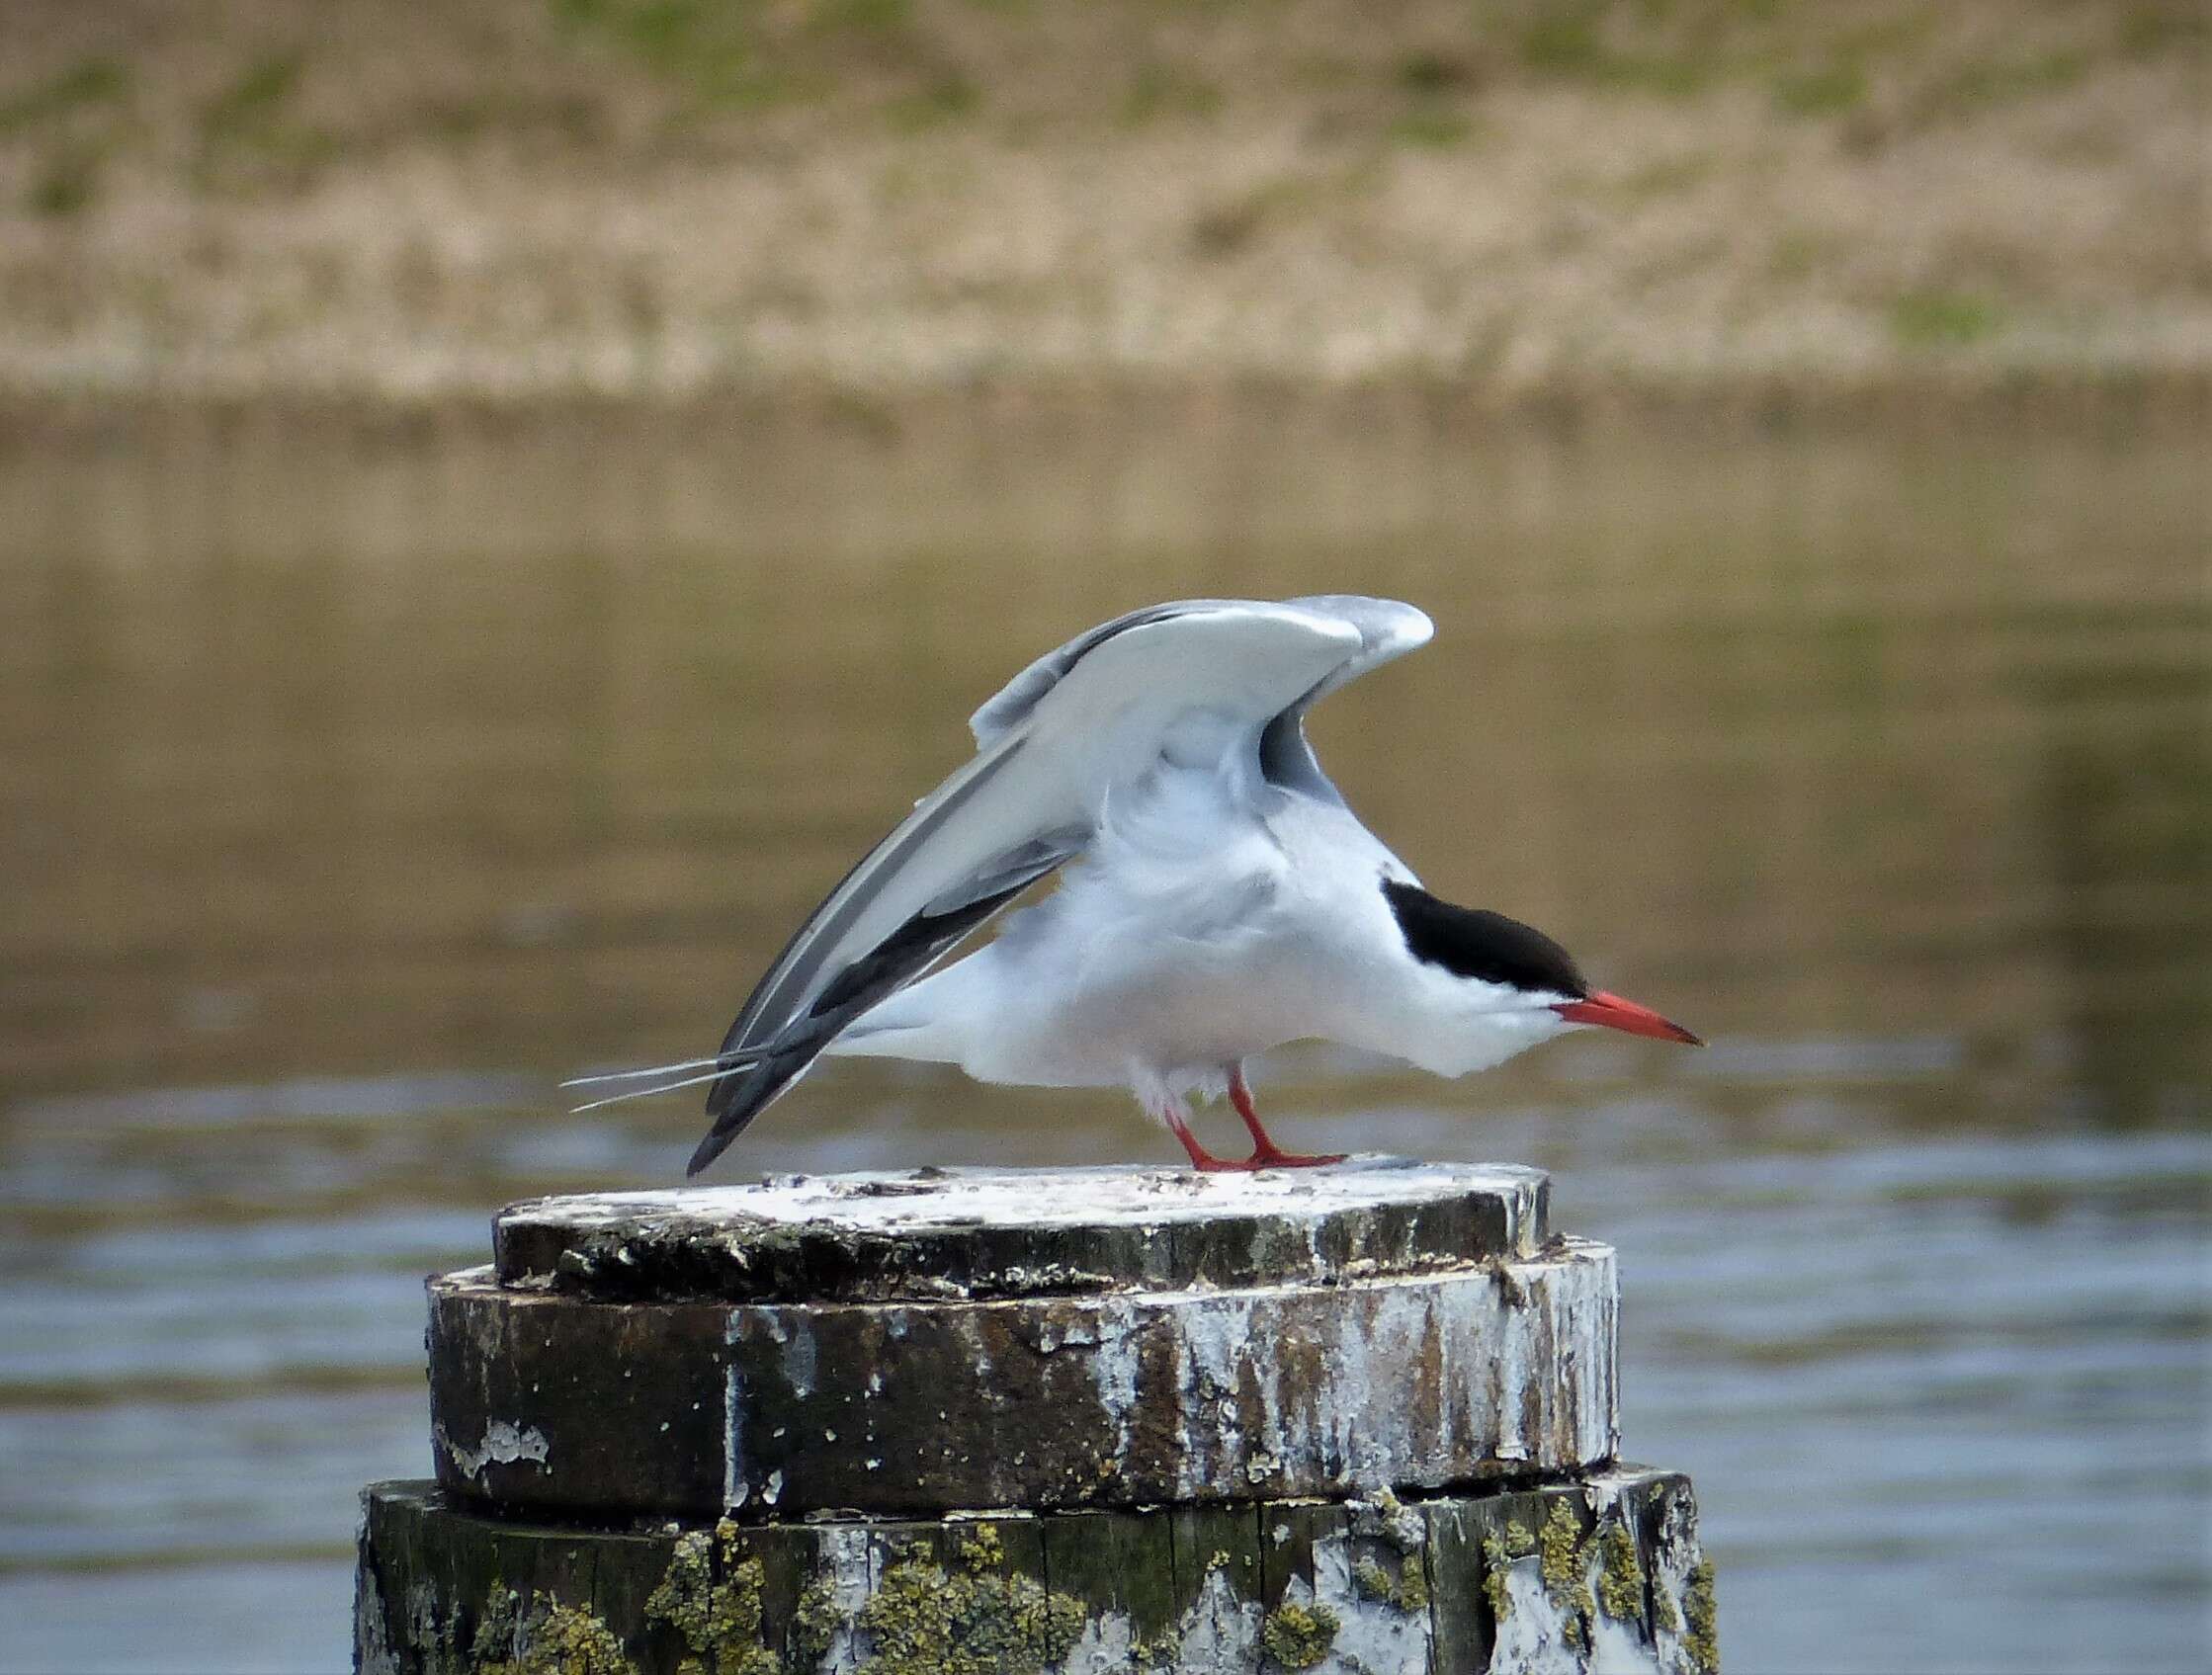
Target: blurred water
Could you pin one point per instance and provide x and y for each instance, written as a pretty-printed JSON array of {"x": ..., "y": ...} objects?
[{"x": 355, "y": 788}]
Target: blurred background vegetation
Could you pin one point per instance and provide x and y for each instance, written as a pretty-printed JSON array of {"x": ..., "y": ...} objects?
[{"x": 409, "y": 199}]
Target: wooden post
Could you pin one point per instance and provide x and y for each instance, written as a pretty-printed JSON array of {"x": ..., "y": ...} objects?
[{"x": 949, "y": 1423}]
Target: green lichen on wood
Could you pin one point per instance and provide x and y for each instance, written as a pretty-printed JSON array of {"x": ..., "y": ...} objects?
[
  {"x": 1155, "y": 1657},
  {"x": 1663, "y": 1615},
  {"x": 718, "y": 1616},
  {"x": 1519, "y": 1543},
  {"x": 1406, "y": 1589},
  {"x": 1374, "y": 1583},
  {"x": 1620, "y": 1576},
  {"x": 498, "y": 1629},
  {"x": 1702, "y": 1608},
  {"x": 1412, "y": 1584},
  {"x": 923, "y": 1620},
  {"x": 1298, "y": 1636},
  {"x": 815, "y": 1622},
  {"x": 571, "y": 1640},
  {"x": 1559, "y": 1542},
  {"x": 1495, "y": 1588},
  {"x": 550, "y": 1639}
]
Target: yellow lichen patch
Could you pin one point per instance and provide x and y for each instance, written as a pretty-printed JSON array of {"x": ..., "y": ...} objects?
[
  {"x": 1406, "y": 1588},
  {"x": 717, "y": 1616},
  {"x": 498, "y": 1627},
  {"x": 815, "y": 1624},
  {"x": 1702, "y": 1608},
  {"x": 1154, "y": 1657},
  {"x": 1298, "y": 1636},
  {"x": 1413, "y": 1583},
  {"x": 1620, "y": 1577},
  {"x": 1559, "y": 1542},
  {"x": 923, "y": 1620},
  {"x": 571, "y": 1640},
  {"x": 1373, "y": 1581},
  {"x": 1495, "y": 1589},
  {"x": 983, "y": 1550},
  {"x": 551, "y": 1638}
]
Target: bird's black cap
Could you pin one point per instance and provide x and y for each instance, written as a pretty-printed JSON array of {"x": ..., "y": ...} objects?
[{"x": 1473, "y": 942}]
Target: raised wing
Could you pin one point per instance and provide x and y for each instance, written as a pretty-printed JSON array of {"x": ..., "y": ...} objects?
[
  {"x": 1387, "y": 630},
  {"x": 1179, "y": 682}
]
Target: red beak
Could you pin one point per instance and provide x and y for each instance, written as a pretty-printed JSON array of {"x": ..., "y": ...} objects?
[{"x": 1618, "y": 1014}]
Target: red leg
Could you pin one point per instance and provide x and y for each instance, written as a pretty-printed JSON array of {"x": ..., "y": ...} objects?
[
  {"x": 1204, "y": 1161},
  {"x": 1265, "y": 1153}
]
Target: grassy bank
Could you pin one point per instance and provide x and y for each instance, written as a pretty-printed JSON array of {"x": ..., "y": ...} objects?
[{"x": 406, "y": 200}]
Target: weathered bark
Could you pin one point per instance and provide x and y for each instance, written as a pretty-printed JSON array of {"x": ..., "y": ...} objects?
[{"x": 1601, "y": 1573}]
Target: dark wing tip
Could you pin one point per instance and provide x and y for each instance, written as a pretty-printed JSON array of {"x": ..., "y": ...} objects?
[
  {"x": 713, "y": 1146},
  {"x": 737, "y": 1098},
  {"x": 749, "y": 1088}
]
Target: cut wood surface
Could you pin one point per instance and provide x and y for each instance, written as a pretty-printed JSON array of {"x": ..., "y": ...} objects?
[{"x": 955, "y": 1233}]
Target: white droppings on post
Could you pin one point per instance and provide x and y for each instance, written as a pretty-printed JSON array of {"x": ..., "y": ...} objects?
[
  {"x": 845, "y": 1576},
  {"x": 1246, "y": 1408},
  {"x": 978, "y": 1356},
  {"x": 505, "y": 1443},
  {"x": 1106, "y": 1646},
  {"x": 1532, "y": 1631},
  {"x": 1353, "y": 1398},
  {"x": 373, "y": 1652},
  {"x": 1220, "y": 1634},
  {"x": 1371, "y": 1634},
  {"x": 1373, "y": 1432},
  {"x": 1210, "y": 1345},
  {"x": 798, "y": 1357},
  {"x": 735, "y": 1488},
  {"x": 1114, "y": 1367},
  {"x": 424, "y": 1610},
  {"x": 1617, "y": 1650},
  {"x": 1673, "y": 1559},
  {"x": 1601, "y": 1438},
  {"x": 1616, "y": 1647}
]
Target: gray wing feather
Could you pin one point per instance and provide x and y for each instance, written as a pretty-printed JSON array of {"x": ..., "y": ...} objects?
[
  {"x": 1017, "y": 700},
  {"x": 1387, "y": 630}
]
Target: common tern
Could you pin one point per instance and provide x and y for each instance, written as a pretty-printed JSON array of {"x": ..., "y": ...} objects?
[{"x": 1224, "y": 899}]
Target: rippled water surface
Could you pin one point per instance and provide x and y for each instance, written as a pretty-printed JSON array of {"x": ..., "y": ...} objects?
[{"x": 356, "y": 788}]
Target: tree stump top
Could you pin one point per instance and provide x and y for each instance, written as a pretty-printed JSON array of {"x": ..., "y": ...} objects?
[{"x": 946, "y": 1234}]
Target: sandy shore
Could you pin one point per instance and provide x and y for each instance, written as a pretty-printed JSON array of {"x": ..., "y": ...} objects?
[{"x": 402, "y": 201}]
